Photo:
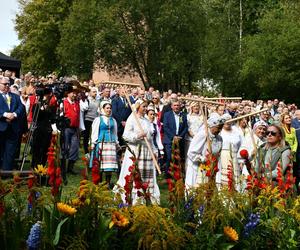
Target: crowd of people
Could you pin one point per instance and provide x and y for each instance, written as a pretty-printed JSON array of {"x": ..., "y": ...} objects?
[{"x": 101, "y": 117}]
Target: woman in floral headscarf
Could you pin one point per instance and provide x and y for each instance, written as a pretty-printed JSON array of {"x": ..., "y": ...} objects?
[{"x": 104, "y": 140}]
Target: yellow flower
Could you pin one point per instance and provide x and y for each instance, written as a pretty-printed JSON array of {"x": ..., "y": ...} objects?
[
  {"x": 66, "y": 209},
  {"x": 76, "y": 202},
  {"x": 40, "y": 170},
  {"x": 203, "y": 167},
  {"x": 119, "y": 220},
  {"x": 231, "y": 233}
]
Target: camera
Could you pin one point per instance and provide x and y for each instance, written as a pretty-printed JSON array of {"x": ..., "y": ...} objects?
[
  {"x": 59, "y": 89},
  {"x": 42, "y": 90}
]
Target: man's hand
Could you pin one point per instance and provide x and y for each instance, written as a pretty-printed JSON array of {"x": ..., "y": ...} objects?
[
  {"x": 9, "y": 117},
  {"x": 123, "y": 123},
  {"x": 177, "y": 138}
]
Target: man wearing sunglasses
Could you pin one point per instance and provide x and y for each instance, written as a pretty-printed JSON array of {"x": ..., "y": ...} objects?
[{"x": 11, "y": 110}]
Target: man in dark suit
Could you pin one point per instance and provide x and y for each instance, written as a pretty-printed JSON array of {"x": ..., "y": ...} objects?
[
  {"x": 175, "y": 128},
  {"x": 121, "y": 111},
  {"x": 11, "y": 110}
]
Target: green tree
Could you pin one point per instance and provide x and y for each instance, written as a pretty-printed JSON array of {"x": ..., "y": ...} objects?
[
  {"x": 272, "y": 56},
  {"x": 76, "y": 46},
  {"x": 38, "y": 30},
  {"x": 159, "y": 40}
]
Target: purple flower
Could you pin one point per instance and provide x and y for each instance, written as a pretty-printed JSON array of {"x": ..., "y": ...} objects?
[
  {"x": 251, "y": 224},
  {"x": 29, "y": 208},
  {"x": 188, "y": 205},
  {"x": 121, "y": 205},
  {"x": 34, "y": 237}
]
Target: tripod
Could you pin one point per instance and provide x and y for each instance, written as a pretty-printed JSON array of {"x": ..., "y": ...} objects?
[{"x": 32, "y": 128}]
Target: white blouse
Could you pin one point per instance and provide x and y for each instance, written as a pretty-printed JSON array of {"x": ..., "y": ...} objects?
[
  {"x": 95, "y": 129},
  {"x": 232, "y": 139}
]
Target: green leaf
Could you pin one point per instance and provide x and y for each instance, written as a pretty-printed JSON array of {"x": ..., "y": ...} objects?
[
  {"x": 57, "y": 233},
  {"x": 226, "y": 246}
]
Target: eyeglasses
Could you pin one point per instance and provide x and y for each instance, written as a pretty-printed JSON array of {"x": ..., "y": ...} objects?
[
  {"x": 272, "y": 133},
  {"x": 5, "y": 84}
]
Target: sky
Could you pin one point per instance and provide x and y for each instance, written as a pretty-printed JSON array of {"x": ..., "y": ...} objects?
[{"x": 8, "y": 37}]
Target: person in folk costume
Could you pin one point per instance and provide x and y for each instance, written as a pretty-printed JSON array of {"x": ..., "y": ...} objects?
[
  {"x": 242, "y": 127},
  {"x": 232, "y": 141},
  {"x": 104, "y": 139},
  {"x": 135, "y": 139},
  {"x": 158, "y": 106},
  {"x": 152, "y": 117},
  {"x": 296, "y": 170},
  {"x": 198, "y": 150},
  {"x": 290, "y": 133},
  {"x": 251, "y": 143},
  {"x": 272, "y": 153},
  {"x": 194, "y": 121}
]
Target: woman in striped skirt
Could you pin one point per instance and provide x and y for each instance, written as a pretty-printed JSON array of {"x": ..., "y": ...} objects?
[
  {"x": 105, "y": 141},
  {"x": 135, "y": 141}
]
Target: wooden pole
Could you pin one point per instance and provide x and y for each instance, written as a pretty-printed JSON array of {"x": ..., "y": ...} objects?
[
  {"x": 248, "y": 115},
  {"x": 201, "y": 100},
  {"x": 122, "y": 84},
  {"x": 142, "y": 130},
  {"x": 223, "y": 98},
  {"x": 204, "y": 112}
]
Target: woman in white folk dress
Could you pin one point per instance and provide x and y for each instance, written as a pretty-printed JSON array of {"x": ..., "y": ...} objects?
[
  {"x": 198, "y": 151},
  {"x": 232, "y": 141},
  {"x": 195, "y": 121},
  {"x": 251, "y": 145},
  {"x": 135, "y": 139}
]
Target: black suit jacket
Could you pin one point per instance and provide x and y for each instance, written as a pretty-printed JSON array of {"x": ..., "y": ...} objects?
[{"x": 16, "y": 106}]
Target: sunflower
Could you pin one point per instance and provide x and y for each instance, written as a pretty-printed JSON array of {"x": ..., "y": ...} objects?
[
  {"x": 65, "y": 208},
  {"x": 40, "y": 170},
  {"x": 204, "y": 167},
  {"x": 231, "y": 233},
  {"x": 118, "y": 219}
]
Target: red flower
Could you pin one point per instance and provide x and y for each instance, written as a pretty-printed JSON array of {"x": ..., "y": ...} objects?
[
  {"x": 230, "y": 177},
  {"x": 208, "y": 173},
  {"x": 2, "y": 208},
  {"x": 58, "y": 181},
  {"x": 131, "y": 168},
  {"x": 58, "y": 171},
  {"x": 170, "y": 184},
  {"x": 177, "y": 175},
  {"x": 145, "y": 185},
  {"x": 95, "y": 175},
  {"x": 127, "y": 178},
  {"x": 138, "y": 185},
  {"x": 244, "y": 154}
]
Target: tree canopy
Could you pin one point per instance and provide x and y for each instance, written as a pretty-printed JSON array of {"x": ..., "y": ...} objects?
[{"x": 239, "y": 46}]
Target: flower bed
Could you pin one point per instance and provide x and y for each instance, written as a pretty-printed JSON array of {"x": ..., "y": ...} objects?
[{"x": 36, "y": 217}]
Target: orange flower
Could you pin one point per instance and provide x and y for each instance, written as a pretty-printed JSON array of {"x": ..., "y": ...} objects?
[
  {"x": 66, "y": 209},
  {"x": 118, "y": 219},
  {"x": 231, "y": 233}
]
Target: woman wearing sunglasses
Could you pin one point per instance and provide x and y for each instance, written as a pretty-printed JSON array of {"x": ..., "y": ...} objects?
[{"x": 275, "y": 152}]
